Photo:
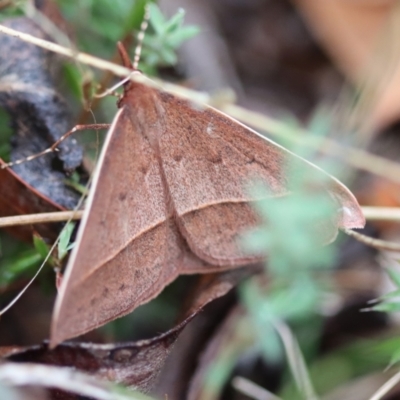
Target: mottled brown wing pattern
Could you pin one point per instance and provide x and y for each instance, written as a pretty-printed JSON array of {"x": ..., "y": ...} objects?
[
  {"x": 209, "y": 160},
  {"x": 127, "y": 248}
]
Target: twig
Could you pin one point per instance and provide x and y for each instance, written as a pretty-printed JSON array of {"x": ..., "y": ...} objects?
[
  {"x": 79, "y": 57},
  {"x": 295, "y": 360},
  {"x": 354, "y": 157},
  {"x": 372, "y": 242},
  {"x": 386, "y": 388},
  {"x": 381, "y": 213},
  {"x": 250, "y": 389},
  {"x": 371, "y": 214},
  {"x": 43, "y": 218}
]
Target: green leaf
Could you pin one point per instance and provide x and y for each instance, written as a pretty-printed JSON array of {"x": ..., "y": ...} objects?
[
  {"x": 175, "y": 39},
  {"x": 157, "y": 19},
  {"x": 135, "y": 16},
  {"x": 159, "y": 46},
  {"x": 73, "y": 79},
  {"x": 321, "y": 123},
  {"x": 41, "y": 246},
  {"x": 394, "y": 276},
  {"x": 175, "y": 21},
  {"x": 74, "y": 182},
  {"x": 390, "y": 295},
  {"x": 386, "y": 307},
  {"x": 64, "y": 244},
  {"x": 395, "y": 358},
  {"x": 271, "y": 344},
  {"x": 14, "y": 267},
  {"x": 168, "y": 56}
]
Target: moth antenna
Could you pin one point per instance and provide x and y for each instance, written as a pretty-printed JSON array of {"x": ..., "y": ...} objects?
[
  {"x": 53, "y": 148},
  {"x": 140, "y": 38}
]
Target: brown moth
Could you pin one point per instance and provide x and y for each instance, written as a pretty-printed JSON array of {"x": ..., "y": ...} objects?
[{"x": 169, "y": 197}]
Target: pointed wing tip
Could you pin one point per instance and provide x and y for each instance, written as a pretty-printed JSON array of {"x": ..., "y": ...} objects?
[
  {"x": 64, "y": 328},
  {"x": 352, "y": 217},
  {"x": 55, "y": 340},
  {"x": 61, "y": 333},
  {"x": 56, "y": 335},
  {"x": 53, "y": 343}
]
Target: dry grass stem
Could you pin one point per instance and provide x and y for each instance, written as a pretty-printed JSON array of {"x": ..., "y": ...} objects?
[
  {"x": 381, "y": 213},
  {"x": 372, "y": 242},
  {"x": 42, "y": 218},
  {"x": 371, "y": 214},
  {"x": 387, "y": 387},
  {"x": 252, "y": 390}
]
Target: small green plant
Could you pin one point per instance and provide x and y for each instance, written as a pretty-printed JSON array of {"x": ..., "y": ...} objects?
[
  {"x": 290, "y": 236},
  {"x": 116, "y": 21},
  {"x": 22, "y": 260},
  {"x": 22, "y": 263},
  {"x": 64, "y": 242},
  {"x": 160, "y": 44},
  {"x": 389, "y": 302}
]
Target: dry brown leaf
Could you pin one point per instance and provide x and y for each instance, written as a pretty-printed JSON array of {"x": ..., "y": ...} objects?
[{"x": 135, "y": 364}]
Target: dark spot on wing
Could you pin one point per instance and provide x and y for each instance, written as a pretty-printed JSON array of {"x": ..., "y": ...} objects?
[
  {"x": 215, "y": 157},
  {"x": 177, "y": 157},
  {"x": 251, "y": 160},
  {"x": 138, "y": 273},
  {"x": 122, "y": 287},
  {"x": 157, "y": 267},
  {"x": 143, "y": 169},
  {"x": 122, "y": 196}
]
